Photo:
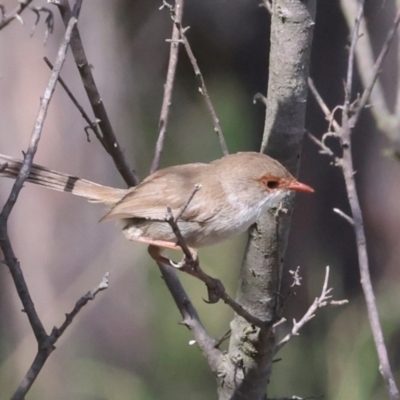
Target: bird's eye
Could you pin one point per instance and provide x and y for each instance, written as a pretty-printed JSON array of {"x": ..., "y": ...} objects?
[{"x": 272, "y": 184}]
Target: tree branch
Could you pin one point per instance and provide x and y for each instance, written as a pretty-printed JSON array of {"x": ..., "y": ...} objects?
[
  {"x": 251, "y": 350},
  {"x": 14, "y": 14},
  {"x": 351, "y": 113},
  {"x": 322, "y": 301},
  {"x": 45, "y": 345},
  {"x": 91, "y": 125},
  {"x": 176, "y": 13},
  {"x": 109, "y": 138},
  {"x": 45, "y": 348},
  {"x": 203, "y": 88}
]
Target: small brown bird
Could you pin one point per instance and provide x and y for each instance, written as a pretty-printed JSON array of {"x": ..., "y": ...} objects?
[{"x": 229, "y": 194}]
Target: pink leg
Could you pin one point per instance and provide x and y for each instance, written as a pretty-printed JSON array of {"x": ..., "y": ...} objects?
[
  {"x": 154, "y": 250},
  {"x": 158, "y": 243}
]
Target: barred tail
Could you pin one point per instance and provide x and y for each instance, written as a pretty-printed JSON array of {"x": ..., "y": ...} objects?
[{"x": 62, "y": 182}]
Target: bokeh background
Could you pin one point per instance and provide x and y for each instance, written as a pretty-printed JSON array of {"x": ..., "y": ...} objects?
[{"x": 127, "y": 344}]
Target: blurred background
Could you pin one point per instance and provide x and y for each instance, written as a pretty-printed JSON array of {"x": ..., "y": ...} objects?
[{"x": 127, "y": 344}]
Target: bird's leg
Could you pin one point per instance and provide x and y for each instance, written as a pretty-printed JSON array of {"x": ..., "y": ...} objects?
[
  {"x": 155, "y": 247},
  {"x": 191, "y": 266}
]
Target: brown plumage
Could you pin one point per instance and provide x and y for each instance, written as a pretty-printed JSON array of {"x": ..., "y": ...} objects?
[{"x": 234, "y": 191}]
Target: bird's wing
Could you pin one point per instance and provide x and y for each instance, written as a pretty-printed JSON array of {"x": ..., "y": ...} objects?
[{"x": 171, "y": 187}]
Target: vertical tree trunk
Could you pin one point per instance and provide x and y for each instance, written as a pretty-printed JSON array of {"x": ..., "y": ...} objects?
[{"x": 248, "y": 364}]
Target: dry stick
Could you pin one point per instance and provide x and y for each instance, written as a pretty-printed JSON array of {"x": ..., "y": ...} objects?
[
  {"x": 267, "y": 4},
  {"x": 354, "y": 39},
  {"x": 348, "y": 173},
  {"x": 14, "y": 14},
  {"x": 377, "y": 67},
  {"x": 215, "y": 287},
  {"x": 322, "y": 301},
  {"x": 203, "y": 89},
  {"x": 324, "y": 107},
  {"x": 57, "y": 332},
  {"x": 189, "y": 314},
  {"x": 357, "y": 219},
  {"x": 112, "y": 146},
  {"x": 358, "y": 224},
  {"x": 190, "y": 317},
  {"x": 44, "y": 344},
  {"x": 169, "y": 83},
  {"x": 91, "y": 125},
  {"x": 46, "y": 348}
]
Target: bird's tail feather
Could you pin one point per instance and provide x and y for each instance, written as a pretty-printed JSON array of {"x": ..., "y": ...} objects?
[{"x": 61, "y": 182}]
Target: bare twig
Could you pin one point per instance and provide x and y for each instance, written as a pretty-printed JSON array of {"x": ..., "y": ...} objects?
[
  {"x": 376, "y": 70},
  {"x": 177, "y": 12},
  {"x": 44, "y": 344},
  {"x": 350, "y": 117},
  {"x": 222, "y": 339},
  {"x": 328, "y": 115},
  {"x": 267, "y": 4},
  {"x": 45, "y": 348},
  {"x": 49, "y": 21},
  {"x": 57, "y": 332},
  {"x": 351, "y": 113},
  {"x": 92, "y": 125},
  {"x": 261, "y": 98},
  {"x": 14, "y": 14},
  {"x": 109, "y": 138},
  {"x": 216, "y": 289},
  {"x": 190, "y": 317},
  {"x": 203, "y": 89},
  {"x": 196, "y": 188},
  {"x": 350, "y": 66},
  {"x": 322, "y": 301},
  {"x": 344, "y": 215},
  {"x": 326, "y": 150},
  {"x": 358, "y": 224}
]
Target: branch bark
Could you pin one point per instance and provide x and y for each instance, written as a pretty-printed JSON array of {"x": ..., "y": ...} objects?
[
  {"x": 248, "y": 364},
  {"x": 351, "y": 113},
  {"x": 111, "y": 144}
]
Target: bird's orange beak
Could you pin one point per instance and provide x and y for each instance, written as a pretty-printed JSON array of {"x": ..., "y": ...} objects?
[{"x": 299, "y": 187}]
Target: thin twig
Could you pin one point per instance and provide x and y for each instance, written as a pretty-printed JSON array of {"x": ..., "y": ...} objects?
[
  {"x": 45, "y": 349},
  {"x": 216, "y": 289},
  {"x": 350, "y": 117},
  {"x": 189, "y": 314},
  {"x": 92, "y": 125},
  {"x": 110, "y": 140},
  {"x": 261, "y": 98},
  {"x": 348, "y": 172},
  {"x": 350, "y": 66},
  {"x": 203, "y": 89},
  {"x": 377, "y": 69},
  {"x": 57, "y": 332},
  {"x": 329, "y": 116},
  {"x": 14, "y": 14},
  {"x": 325, "y": 299},
  {"x": 169, "y": 84},
  {"x": 49, "y": 21},
  {"x": 344, "y": 215},
  {"x": 190, "y": 317},
  {"x": 267, "y": 4},
  {"x": 196, "y": 188},
  {"x": 326, "y": 150},
  {"x": 44, "y": 344}
]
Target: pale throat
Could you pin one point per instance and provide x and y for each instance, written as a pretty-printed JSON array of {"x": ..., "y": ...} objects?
[{"x": 247, "y": 213}]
